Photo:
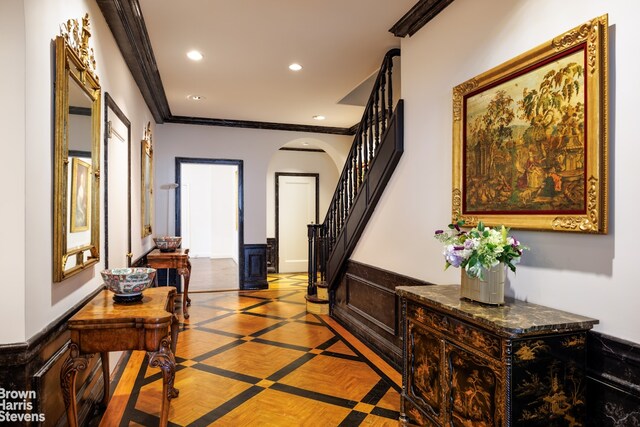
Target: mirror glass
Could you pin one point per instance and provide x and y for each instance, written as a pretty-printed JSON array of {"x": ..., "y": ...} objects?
[{"x": 76, "y": 154}]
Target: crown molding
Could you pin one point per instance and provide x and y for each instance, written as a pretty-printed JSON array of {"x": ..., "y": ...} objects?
[
  {"x": 310, "y": 150},
  {"x": 126, "y": 23},
  {"x": 258, "y": 125},
  {"x": 423, "y": 12}
]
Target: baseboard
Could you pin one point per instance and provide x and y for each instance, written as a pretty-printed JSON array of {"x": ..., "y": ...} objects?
[{"x": 613, "y": 381}]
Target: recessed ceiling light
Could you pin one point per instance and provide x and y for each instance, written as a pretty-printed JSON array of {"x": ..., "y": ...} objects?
[
  {"x": 319, "y": 117},
  {"x": 196, "y": 97},
  {"x": 295, "y": 67},
  {"x": 305, "y": 143},
  {"x": 194, "y": 55}
]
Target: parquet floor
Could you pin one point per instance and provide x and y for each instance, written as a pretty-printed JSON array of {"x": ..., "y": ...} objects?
[{"x": 256, "y": 358}]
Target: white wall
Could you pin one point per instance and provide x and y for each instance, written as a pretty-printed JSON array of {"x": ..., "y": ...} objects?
[
  {"x": 12, "y": 171},
  {"x": 31, "y": 156},
  {"x": 592, "y": 275},
  {"x": 254, "y": 146},
  {"x": 307, "y": 162}
]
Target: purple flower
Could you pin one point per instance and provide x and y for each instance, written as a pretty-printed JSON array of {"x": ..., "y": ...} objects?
[
  {"x": 439, "y": 232},
  {"x": 453, "y": 259}
]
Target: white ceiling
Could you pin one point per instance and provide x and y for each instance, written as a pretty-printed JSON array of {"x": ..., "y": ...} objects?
[{"x": 249, "y": 44}]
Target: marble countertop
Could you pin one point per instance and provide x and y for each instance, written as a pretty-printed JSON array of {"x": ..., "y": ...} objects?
[{"x": 514, "y": 318}]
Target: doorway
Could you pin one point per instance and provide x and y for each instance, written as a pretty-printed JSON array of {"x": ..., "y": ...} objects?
[
  {"x": 117, "y": 177},
  {"x": 296, "y": 206},
  {"x": 209, "y": 217}
]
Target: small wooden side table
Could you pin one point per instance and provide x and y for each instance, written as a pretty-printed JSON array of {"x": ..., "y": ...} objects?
[
  {"x": 178, "y": 260},
  {"x": 102, "y": 326}
]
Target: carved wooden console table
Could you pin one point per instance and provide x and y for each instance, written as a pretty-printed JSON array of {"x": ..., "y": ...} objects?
[
  {"x": 465, "y": 363},
  {"x": 178, "y": 260},
  {"x": 102, "y": 326}
]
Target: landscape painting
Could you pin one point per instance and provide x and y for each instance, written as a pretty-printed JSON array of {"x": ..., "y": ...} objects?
[
  {"x": 530, "y": 137},
  {"x": 524, "y": 148}
]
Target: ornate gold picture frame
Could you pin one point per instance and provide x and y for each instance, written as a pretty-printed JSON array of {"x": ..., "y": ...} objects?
[
  {"x": 76, "y": 183},
  {"x": 147, "y": 181},
  {"x": 80, "y": 195},
  {"x": 530, "y": 137}
]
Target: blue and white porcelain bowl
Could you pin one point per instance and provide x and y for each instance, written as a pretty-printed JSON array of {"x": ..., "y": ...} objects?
[{"x": 127, "y": 284}]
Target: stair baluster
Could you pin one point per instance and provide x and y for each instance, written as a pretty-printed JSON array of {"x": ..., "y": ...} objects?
[{"x": 376, "y": 119}]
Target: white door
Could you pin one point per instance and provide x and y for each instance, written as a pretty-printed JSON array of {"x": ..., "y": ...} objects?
[
  {"x": 117, "y": 187},
  {"x": 296, "y": 209}
]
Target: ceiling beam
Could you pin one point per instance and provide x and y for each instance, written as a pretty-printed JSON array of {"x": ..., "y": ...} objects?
[{"x": 423, "y": 12}]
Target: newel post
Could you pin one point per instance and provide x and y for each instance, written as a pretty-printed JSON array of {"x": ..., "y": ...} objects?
[{"x": 311, "y": 233}]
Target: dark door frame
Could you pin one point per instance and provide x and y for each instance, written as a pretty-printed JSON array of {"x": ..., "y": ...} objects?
[
  {"x": 277, "y": 207},
  {"x": 240, "y": 164},
  {"x": 111, "y": 104}
]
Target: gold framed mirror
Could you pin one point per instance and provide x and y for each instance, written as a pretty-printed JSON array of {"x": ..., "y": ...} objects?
[
  {"x": 76, "y": 189},
  {"x": 147, "y": 181}
]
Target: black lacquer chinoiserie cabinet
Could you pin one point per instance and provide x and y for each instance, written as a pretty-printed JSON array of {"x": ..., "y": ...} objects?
[{"x": 469, "y": 364}]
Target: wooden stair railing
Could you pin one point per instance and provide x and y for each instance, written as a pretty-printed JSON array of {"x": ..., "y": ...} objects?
[{"x": 376, "y": 150}]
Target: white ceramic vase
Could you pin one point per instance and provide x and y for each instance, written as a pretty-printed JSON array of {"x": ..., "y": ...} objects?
[{"x": 487, "y": 291}]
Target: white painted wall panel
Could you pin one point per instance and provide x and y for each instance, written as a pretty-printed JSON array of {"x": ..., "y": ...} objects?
[{"x": 13, "y": 171}]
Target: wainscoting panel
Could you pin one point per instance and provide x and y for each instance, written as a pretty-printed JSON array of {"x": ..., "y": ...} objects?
[
  {"x": 35, "y": 366},
  {"x": 255, "y": 267},
  {"x": 613, "y": 381},
  {"x": 365, "y": 302}
]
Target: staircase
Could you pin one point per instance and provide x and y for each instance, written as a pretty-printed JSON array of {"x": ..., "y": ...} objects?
[{"x": 374, "y": 154}]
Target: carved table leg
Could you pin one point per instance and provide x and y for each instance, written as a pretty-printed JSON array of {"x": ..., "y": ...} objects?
[
  {"x": 186, "y": 301},
  {"x": 68, "y": 382},
  {"x": 163, "y": 359},
  {"x": 186, "y": 286},
  {"x": 104, "y": 357},
  {"x": 174, "y": 333}
]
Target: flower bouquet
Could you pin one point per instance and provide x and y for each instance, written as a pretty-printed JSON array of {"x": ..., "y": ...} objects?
[
  {"x": 479, "y": 249},
  {"x": 482, "y": 253}
]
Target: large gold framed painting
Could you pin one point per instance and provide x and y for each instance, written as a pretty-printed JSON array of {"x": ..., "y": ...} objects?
[{"x": 530, "y": 139}]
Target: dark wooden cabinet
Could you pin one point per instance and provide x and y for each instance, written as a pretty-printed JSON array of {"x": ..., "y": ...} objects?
[{"x": 467, "y": 364}]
